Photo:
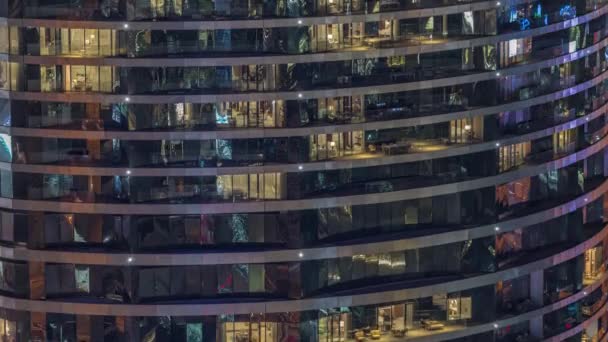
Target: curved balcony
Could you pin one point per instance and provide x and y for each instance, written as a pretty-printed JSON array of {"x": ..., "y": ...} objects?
[
  {"x": 321, "y": 13},
  {"x": 338, "y": 300},
  {"x": 417, "y": 119},
  {"x": 403, "y": 45},
  {"x": 339, "y": 198},
  {"x": 345, "y": 249},
  {"x": 580, "y": 327},
  {"x": 540, "y": 95},
  {"x": 427, "y": 150}
]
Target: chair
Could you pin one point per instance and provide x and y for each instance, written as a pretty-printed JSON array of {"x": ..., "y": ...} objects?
[{"x": 375, "y": 334}]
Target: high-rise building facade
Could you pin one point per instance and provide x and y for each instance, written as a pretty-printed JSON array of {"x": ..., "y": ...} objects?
[{"x": 303, "y": 170}]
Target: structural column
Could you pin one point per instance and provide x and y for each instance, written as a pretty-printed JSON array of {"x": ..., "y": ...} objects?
[{"x": 537, "y": 281}]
